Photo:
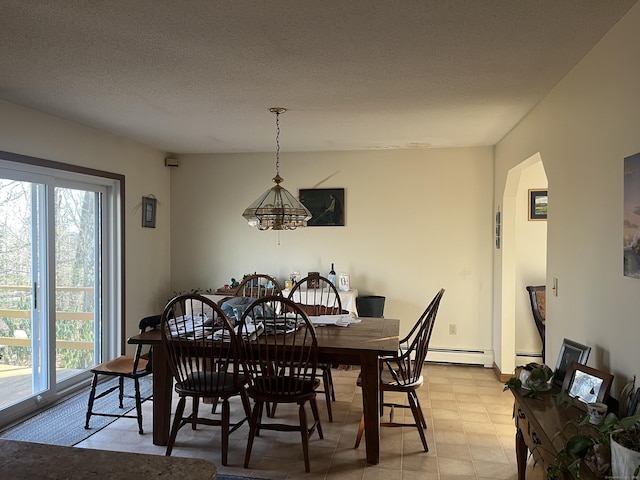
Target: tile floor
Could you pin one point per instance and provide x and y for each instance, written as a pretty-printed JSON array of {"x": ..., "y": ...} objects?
[{"x": 470, "y": 435}]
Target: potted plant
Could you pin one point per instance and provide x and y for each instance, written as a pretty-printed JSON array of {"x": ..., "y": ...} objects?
[
  {"x": 597, "y": 447},
  {"x": 625, "y": 452},
  {"x": 533, "y": 377}
]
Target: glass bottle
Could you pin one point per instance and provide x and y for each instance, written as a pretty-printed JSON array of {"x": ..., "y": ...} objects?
[{"x": 332, "y": 276}]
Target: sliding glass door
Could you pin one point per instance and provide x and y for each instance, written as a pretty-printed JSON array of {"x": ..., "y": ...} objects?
[{"x": 52, "y": 250}]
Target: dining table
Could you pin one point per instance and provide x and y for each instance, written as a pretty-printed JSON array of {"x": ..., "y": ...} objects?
[{"x": 360, "y": 343}]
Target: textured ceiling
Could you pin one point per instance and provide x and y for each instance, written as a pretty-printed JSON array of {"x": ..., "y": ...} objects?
[{"x": 199, "y": 76}]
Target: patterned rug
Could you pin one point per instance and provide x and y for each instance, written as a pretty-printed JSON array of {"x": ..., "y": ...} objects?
[{"x": 63, "y": 424}]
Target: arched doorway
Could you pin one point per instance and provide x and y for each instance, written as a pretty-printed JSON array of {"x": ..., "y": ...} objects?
[{"x": 524, "y": 247}]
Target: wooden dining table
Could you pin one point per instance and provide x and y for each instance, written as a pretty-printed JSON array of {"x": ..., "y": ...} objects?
[{"x": 358, "y": 344}]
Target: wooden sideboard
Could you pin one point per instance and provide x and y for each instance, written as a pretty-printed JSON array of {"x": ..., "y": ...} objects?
[{"x": 537, "y": 422}]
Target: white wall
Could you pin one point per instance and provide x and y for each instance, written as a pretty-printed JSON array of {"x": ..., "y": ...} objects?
[
  {"x": 416, "y": 221},
  {"x": 583, "y": 130},
  {"x": 28, "y": 132}
]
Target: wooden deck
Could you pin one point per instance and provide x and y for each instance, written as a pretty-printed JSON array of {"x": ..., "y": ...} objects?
[{"x": 15, "y": 383}]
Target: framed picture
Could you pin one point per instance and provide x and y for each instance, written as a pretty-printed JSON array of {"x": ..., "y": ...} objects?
[
  {"x": 314, "y": 280},
  {"x": 587, "y": 384},
  {"x": 149, "y": 212},
  {"x": 326, "y": 206},
  {"x": 538, "y": 204},
  {"x": 344, "y": 282},
  {"x": 569, "y": 352}
]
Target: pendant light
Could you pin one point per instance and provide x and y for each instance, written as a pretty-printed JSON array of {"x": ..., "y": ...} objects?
[{"x": 277, "y": 209}]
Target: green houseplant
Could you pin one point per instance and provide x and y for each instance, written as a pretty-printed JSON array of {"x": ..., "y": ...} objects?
[
  {"x": 533, "y": 377},
  {"x": 595, "y": 446},
  {"x": 625, "y": 452}
]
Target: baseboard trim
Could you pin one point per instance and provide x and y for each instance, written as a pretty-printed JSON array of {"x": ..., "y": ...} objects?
[
  {"x": 470, "y": 357},
  {"x": 503, "y": 377}
]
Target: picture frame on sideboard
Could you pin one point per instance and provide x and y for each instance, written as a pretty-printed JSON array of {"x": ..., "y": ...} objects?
[
  {"x": 587, "y": 384},
  {"x": 570, "y": 351}
]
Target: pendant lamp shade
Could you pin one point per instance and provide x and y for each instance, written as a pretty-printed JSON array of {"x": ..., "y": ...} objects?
[{"x": 277, "y": 209}]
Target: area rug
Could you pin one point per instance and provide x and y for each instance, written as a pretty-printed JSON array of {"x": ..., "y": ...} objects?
[{"x": 63, "y": 424}]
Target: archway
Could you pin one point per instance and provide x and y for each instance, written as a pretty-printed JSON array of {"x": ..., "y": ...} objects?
[{"x": 523, "y": 263}]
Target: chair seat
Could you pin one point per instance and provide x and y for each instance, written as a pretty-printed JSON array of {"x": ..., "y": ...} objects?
[
  {"x": 203, "y": 383},
  {"x": 123, "y": 365},
  {"x": 267, "y": 386},
  {"x": 389, "y": 383}
]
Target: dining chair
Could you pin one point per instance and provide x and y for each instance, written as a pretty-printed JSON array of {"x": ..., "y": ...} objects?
[
  {"x": 403, "y": 372},
  {"x": 258, "y": 285},
  {"x": 537, "y": 298},
  {"x": 317, "y": 295},
  {"x": 125, "y": 366},
  {"x": 279, "y": 350},
  {"x": 202, "y": 352}
]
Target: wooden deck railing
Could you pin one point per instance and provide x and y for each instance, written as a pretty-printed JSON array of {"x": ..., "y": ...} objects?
[{"x": 26, "y": 314}]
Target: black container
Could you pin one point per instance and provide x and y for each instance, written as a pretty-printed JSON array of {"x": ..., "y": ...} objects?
[{"x": 370, "y": 306}]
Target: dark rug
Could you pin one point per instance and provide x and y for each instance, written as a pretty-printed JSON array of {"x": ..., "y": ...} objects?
[{"x": 63, "y": 424}]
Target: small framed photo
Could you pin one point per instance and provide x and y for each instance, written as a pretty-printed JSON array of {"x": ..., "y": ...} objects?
[
  {"x": 314, "y": 280},
  {"x": 538, "y": 204},
  {"x": 149, "y": 212},
  {"x": 344, "y": 282},
  {"x": 326, "y": 206},
  {"x": 587, "y": 384},
  {"x": 569, "y": 352}
]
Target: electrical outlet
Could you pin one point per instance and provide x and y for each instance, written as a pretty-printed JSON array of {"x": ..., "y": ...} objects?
[{"x": 453, "y": 329}]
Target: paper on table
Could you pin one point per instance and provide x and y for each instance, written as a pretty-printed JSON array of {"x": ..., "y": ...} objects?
[{"x": 339, "y": 320}]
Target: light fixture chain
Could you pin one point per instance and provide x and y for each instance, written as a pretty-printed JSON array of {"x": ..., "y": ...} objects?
[{"x": 278, "y": 143}]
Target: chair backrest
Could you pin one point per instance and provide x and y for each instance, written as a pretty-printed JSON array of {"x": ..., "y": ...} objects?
[
  {"x": 258, "y": 285},
  {"x": 279, "y": 350},
  {"x": 538, "y": 300},
  {"x": 406, "y": 368},
  {"x": 317, "y": 295},
  {"x": 202, "y": 347}
]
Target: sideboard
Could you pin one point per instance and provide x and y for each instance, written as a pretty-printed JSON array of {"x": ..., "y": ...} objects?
[{"x": 537, "y": 422}]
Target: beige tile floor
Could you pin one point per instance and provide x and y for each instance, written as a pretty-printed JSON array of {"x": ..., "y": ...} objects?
[{"x": 470, "y": 435}]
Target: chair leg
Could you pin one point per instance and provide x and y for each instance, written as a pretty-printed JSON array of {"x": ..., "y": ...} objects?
[
  {"x": 226, "y": 418},
  {"x": 92, "y": 396},
  {"x": 253, "y": 428},
  {"x": 136, "y": 383},
  {"x": 316, "y": 416},
  {"x": 304, "y": 433},
  {"x": 360, "y": 432},
  {"x": 245, "y": 403},
  {"x": 328, "y": 391},
  {"x": 330, "y": 382},
  {"x": 121, "y": 391},
  {"x": 417, "y": 416},
  {"x": 194, "y": 415},
  {"x": 423, "y": 422},
  {"x": 177, "y": 420}
]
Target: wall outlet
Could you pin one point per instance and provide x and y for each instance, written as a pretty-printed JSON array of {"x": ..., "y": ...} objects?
[{"x": 453, "y": 329}]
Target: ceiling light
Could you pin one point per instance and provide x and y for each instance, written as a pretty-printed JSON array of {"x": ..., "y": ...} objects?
[{"x": 277, "y": 209}]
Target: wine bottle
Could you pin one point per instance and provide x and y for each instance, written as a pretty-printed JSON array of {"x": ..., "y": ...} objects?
[{"x": 332, "y": 275}]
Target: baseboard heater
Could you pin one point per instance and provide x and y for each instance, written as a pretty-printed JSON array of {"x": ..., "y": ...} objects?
[{"x": 452, "y": 355}]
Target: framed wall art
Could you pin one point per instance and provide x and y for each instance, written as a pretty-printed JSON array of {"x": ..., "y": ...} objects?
[
  {"x": 149, "y": 205},
  {"x": 326, "y": 206},
  {"x": 587, "y": 384},
  {"x": 631, "y": 241},
  {"x": 538, "y": 204},
  {"x": 569, "y": 352}
]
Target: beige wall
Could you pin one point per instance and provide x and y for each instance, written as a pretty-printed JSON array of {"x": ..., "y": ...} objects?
[
  {"x": 416, "y": 221},
  {"x": 583, "y": 130},
  {"x": 27, "y": 132}
]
